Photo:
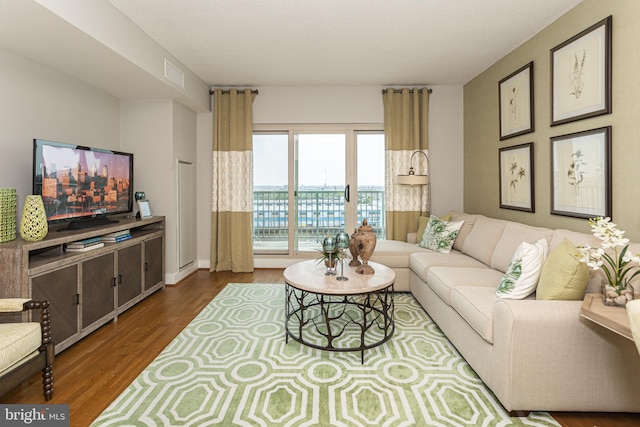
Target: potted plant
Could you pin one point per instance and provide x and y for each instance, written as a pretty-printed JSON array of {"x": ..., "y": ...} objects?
[
  {"x": 613, "y": 257},
  {"x": 323, "y": 256}
]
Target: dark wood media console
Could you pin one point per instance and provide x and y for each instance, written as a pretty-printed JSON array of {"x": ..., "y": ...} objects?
[{"x": 85, "y": 289}]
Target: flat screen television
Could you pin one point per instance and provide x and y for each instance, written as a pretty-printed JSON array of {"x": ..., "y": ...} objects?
[{"x": 82, "y": 185}]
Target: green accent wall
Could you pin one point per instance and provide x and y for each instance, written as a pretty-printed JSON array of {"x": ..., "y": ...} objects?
[{"x": 481, "y": 121}]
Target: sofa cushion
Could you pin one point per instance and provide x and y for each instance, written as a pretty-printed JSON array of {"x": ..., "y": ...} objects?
[
  {"x": 17, "y": 341},
  {"x": 440, "y": 235},
  {"x": 394, "y": 253},
  {"x": 512, "y": 236},
  {"x": 578, "y": 239},
  {"x": 443, "y": 279},
  {"x": 563, "y": 276},
  {"x": 475, "y": 305},
  {"x": 483, "y": 238},
  {"x": 467, "y": 226},
  {"x": 421, "y": 262},
  {"x": 521, "y": 278}
]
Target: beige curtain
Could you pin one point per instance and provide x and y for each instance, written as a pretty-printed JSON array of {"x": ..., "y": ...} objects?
[
  {"x": 406, "y": 114},
  {"x": 232, "y": 198}
]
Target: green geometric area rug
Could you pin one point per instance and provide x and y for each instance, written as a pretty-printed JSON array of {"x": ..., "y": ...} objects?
[{"x": 231, "y": 367}]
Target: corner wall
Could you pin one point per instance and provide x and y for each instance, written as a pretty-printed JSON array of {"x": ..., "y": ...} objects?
[{"x": 481, "y": 126}]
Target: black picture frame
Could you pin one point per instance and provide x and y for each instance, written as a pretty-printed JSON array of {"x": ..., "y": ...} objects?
[
  {"x": 581, "y": 174},
  {"x": 581, "y": 75},
  {"x": 517, "y": 183},
  {"x": 515, "y": 95}
]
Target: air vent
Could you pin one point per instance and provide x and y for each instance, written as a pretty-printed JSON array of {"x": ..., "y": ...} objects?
[{"x": 173, "y": 73}]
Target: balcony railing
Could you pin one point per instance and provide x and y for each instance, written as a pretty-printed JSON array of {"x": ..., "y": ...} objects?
[{"x": 319, "y": 213}]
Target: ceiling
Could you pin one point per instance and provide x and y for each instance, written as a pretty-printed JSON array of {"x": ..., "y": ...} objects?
[{"x": 340, "y": 42}]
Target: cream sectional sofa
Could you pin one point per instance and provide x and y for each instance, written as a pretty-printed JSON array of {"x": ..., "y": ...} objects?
[{"x": 533, "y": 354}]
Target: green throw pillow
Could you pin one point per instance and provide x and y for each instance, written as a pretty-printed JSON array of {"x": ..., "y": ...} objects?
[
  {"x": 440, "y": 235},
  {"x": 563, "y": 276},
  {"x": 422, "y": 225}
]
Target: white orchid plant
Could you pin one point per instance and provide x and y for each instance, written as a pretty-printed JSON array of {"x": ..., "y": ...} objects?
[{"x": 613, "y": 255}]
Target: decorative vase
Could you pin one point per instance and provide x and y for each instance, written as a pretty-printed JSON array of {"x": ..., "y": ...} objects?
[
  {"x": 8, "y": 212},
  {"x": 33, "y": 224},
  {"x": 329, "y": 248},
  {"x": 612, "y": 297},
  {"x": 365, "y": 243},
  {"x": 354, "y": 250}
]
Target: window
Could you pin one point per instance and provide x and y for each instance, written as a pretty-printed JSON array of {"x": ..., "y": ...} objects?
[{"x": 326, "y": 177}]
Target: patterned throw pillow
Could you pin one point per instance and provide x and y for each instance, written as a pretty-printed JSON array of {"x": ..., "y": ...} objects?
[
  {"x": 521, "y": 278},
  {"x": 440, "y": 235}
]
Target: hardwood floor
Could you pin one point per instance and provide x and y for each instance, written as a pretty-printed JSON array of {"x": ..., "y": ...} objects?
[{"x": 93, "y": 372}]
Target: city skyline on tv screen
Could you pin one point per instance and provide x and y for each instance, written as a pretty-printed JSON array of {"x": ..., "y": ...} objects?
[{"x": 77, "y": 182}]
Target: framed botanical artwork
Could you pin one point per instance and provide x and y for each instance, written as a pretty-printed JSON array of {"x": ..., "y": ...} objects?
[
  {"x": 516, "y": 103},
  {"x": 581, "y": 174},
  {"x": 581, "y": 75},
  {"x": 516, "y": 177}
]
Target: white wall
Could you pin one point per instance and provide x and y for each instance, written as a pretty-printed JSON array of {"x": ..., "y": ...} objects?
[
  {"x": 159, "y": 132},
  {"x": 318, "y": 105},
  {"x": 361, "y": 104},
  {"x": 204, "y": 189},
  {"x": 184, "y": 149},
  {"x": 38, "y": 102}
]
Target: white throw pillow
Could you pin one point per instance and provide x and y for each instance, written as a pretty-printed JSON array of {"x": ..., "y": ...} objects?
[
  {"x": 440, "y": 235},
  {"x": 521, "y": 278}
]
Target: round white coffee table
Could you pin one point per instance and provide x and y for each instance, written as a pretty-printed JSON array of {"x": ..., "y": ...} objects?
[{"x": 339, "y": 315}]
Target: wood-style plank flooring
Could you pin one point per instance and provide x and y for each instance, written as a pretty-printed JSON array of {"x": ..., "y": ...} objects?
[{"x": 93, "y": 372}]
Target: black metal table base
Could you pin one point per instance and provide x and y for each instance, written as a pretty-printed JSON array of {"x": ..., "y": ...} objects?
[{"x": 354, "y": 322}]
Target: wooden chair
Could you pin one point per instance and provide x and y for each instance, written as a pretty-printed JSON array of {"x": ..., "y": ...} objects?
[
  {"x": 633, "y": 311},
  {"x": 25, "y": 347}
]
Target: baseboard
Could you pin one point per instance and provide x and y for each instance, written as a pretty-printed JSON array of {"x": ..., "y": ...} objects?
[
  {"x": 172, "y": 279},
  {"x": 260, "y": 261}
]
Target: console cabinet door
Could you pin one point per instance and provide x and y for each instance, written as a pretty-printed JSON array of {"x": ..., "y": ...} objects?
[
  {"x": 60, "y": 288},
  {"x": 129, "y": 278},
  {"x": 98, "y": 288},
  {"x": 153, "y": 262}
]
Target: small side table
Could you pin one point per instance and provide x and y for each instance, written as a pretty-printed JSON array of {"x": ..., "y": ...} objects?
[{"x": 613, "y": 318}]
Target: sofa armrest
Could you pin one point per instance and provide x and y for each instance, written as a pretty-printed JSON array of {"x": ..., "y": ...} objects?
[{"x": 560, "y": 357}]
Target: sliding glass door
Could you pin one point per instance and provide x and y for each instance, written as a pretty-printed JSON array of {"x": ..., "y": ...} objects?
[
  {"x": 311, "y": 183},
  {"x": 320, "y": 184}
]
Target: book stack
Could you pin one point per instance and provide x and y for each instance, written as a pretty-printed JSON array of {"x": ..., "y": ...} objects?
[
  {"x": 85, "y": 244},
  {"x": 116, "y": 237}
]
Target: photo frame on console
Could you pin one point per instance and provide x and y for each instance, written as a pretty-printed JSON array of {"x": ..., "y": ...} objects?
[
  {"x": 516, "y": 103},
  {"x": 581, "y": 75},
  {"x": 144, "y": 208},
  {"x": 581, "y": 174},
  {"x": 517, "y": 177}
]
